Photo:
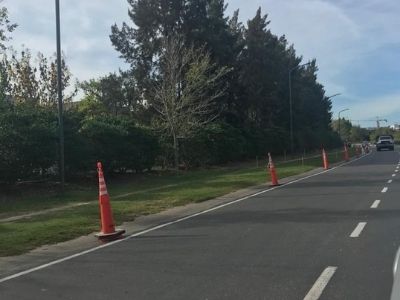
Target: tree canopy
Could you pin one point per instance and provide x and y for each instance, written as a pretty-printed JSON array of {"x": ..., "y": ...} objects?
[{"x": 201, "y": 88}]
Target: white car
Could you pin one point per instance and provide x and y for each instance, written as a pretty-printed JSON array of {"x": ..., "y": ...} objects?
[{"x": 385, "y": 142}]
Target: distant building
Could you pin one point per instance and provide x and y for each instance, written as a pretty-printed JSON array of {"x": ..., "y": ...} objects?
[{"x": 395, "y": 127}]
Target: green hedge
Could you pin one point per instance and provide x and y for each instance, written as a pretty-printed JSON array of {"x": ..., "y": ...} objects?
[{"x": 29, "y": 144}]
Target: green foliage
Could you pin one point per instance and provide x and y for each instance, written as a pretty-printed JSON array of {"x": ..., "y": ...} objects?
[
  {"x": 228, "y": 100},
  {"x": 6, "y": 27},
  {"x": 119, "y": 144},
  {"x": 114, "y": 93},
  {"x": 345, "y": 128},
  {"x": 29, "y": 138},
  {"x": 35, "y": 83},
  {"x": 383, "y": 131},
  {"x": 257, "y": 96},
  {"x": 212, "y": 144},
  {"x": 358, "y": 134},
  {"x": 396, "y": 136},
  {"x": 27, "y": 142}
]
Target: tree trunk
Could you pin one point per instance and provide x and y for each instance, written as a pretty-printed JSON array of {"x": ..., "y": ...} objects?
[{"x": 176, "y": 153}]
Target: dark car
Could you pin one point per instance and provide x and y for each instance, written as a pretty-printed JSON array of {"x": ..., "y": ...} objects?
[{"x": 385, "y": 142}]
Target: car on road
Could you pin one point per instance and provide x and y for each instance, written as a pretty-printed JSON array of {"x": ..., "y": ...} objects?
[{"x": 385, "y": 142}]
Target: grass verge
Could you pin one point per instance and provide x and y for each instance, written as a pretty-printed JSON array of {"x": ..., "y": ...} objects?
[{"x": 130, "y": 199}]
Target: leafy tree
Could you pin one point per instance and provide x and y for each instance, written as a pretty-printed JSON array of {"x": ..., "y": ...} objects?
[
  {"x": 24, "y": 83},
  {"x": 345, "y": 128},
  {"x": 4, "y": 84},
  {"x": 47, "y": 80},
  {"x": 36, "y": 83},
  {"x": 381, "y": 131},
  {"x": 116, "y": 93},
  {"x": 185, "y": 94},
  {"x": 358, "y": 134},
  {"x": 6, "y": 26},
  {"x": 199, "y": 22},
  {"x": 256, "y": 72}
]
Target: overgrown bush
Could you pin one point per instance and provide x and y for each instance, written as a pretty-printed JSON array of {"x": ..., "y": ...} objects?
[
  {"x": 119, "y": 144},
  {"x": 28, "y": 144},
  {"x": 213, "y": 144}
]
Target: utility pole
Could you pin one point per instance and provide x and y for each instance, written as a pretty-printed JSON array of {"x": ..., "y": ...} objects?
[{"x": 61, "y": 165}]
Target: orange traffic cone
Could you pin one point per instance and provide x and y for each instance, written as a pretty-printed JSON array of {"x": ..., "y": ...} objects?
[
  {"x": 108, "y": 231},
  {"x": 272, "y": 171},
  {"x": 346, "y": 153},
  {"x": 325, "y": 159}
]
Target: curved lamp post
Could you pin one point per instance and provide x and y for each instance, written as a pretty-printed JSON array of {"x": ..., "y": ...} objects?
[{"x": 340, "y": 135}]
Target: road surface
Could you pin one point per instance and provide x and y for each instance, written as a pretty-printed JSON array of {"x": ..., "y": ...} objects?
[{"x": 329, "y": 236}]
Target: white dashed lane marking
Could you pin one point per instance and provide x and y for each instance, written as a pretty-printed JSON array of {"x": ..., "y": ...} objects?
[
  {"x": 357, "y": 231},
  {"x": 375, "y": 204},
  {"x": 320, "y": 284}
]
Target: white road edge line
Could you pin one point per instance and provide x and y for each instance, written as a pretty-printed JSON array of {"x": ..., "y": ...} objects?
[
  {"x": 54, "y": 262},
  {"x": 375, "y": 204},
  {"x": 390, "y": 181},
  {"x": 320, "y": 284},
  {"x": 384, "y": 190},
  {"x": 357, "y": 231}
]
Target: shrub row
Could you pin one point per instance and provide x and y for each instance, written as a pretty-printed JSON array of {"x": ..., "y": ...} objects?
[{"x": 29, "y": 143}]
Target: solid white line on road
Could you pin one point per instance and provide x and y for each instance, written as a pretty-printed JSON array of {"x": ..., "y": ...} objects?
[
  {"x": 375, "y": 204},
  {"x": 384, "y": 190},
  {"x": 357, "y": 231},
  {"x": 55, "y": 262},
  {"x": 390, "y": 181},
  {"x": 320, "y": 284}
]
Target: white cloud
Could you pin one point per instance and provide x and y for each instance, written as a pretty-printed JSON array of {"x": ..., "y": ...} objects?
[
  {"x": 85, "y": 29},
  {"x": 343, "y": 36},
  {"x": 386, "y": 106}
]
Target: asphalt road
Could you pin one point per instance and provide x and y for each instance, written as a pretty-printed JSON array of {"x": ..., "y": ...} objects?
[{"x": 317, "y": 238}]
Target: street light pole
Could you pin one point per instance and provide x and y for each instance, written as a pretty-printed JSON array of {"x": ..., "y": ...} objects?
[
  {"x": 291, "y": 104},
  {"x": 340, "y": 135},
  {"x": 330, "y": 97},
  {"x": 60, "y": 100}
]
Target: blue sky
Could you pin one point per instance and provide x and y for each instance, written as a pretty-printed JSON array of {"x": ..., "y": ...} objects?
[{"x": 356, "y": 43}]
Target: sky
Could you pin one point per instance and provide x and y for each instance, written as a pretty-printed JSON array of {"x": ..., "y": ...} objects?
[{"x": 356, "y": 43}]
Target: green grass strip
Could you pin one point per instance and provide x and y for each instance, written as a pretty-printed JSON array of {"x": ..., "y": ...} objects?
[{"x": 148, "y": 195}]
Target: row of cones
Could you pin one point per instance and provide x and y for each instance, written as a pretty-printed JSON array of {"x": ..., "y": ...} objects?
[
  {"x": 108, "y": 230},
  {"x": 325, "y": 162}
]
